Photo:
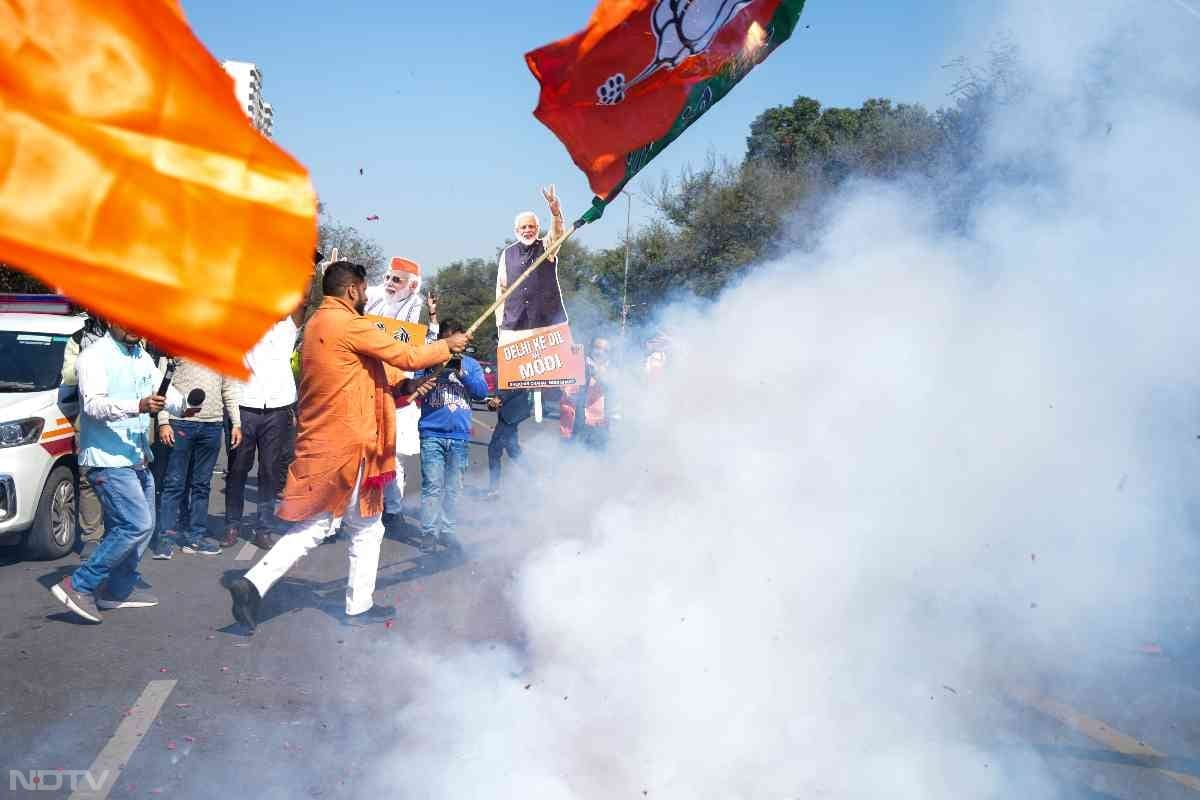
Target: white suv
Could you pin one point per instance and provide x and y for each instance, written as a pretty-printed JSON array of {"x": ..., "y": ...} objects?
[{"x": 37, "y": 437}]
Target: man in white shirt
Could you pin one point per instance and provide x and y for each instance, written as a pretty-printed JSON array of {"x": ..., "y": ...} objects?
[
  {"x": 399, "y": 298},
  {"x": 267, "y": 406},
  {"x": 118, "y": 388}
]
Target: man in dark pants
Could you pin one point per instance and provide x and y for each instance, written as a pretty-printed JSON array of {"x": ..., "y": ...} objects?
[
  {"x": 514, "y": 408},
  {"x": 267, "y": 403}
]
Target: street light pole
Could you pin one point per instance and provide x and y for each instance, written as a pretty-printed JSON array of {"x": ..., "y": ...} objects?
[{"x": 625, "y": 288}]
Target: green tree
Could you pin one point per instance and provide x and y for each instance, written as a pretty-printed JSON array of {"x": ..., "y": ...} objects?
[
  {"x": 465, "y": 289},
  {"x": 352, "y": 245}
]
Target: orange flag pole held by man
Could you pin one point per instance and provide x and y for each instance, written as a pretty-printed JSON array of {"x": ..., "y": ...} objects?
[{"x": 131, "y": 180}]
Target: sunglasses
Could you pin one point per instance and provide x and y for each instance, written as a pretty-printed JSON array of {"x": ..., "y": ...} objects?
[{"x": 397, "y": 279}]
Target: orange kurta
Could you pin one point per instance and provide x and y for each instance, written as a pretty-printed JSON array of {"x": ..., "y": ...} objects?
[{"x": 346, "y": 412}]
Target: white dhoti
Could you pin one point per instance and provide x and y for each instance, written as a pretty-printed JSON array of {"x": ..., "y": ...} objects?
[
  {"x": 408, "y": 443},
  {"x": 366, "y": 535}
]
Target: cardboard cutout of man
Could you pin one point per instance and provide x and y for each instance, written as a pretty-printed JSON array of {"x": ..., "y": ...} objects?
[
  {"x": 399, "y": 297},
  {"x": 537, "y": 303}
]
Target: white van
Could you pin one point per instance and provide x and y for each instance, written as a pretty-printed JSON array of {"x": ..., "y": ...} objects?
[{"x": 37, "y": 436}]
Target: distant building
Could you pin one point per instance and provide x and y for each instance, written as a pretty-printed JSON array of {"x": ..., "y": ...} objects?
[{"x": 248, "y": 82}]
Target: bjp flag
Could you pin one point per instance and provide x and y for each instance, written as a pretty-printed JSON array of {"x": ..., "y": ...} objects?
[
  {"x": 131, "y": 180},
  {"x": 621, "y": 90}
]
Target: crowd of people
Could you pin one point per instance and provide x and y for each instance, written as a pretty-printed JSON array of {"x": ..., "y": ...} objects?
[{"x": 329, "y": 433}]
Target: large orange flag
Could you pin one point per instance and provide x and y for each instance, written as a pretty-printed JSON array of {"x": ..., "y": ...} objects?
[
  {"x": 131, "y": 180},
  {"x": 621, "y": 90}
]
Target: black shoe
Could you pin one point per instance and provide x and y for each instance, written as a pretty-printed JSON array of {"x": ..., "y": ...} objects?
[
  {"x": 246, "y": 601},
  {"x": 425, "y": 543},
  {"x": 263, "y": 539},
  {"x": 372, "y": 616}
]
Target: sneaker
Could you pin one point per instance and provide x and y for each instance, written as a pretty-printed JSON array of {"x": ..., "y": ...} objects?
[
  {"x": 246, "y": 601},
  {"x": 136, "y": 599},
  {"x": 491, "y": 495},
  {"x": 81, "y": 604},
  {"x": 372, "y": 616},
  {"x": 203, "y": 547},
  {"x": 231, "y": 537},
  {"x": 164, "y": 549}
]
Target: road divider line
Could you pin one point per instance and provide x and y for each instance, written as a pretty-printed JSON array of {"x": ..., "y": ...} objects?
[
  {"x": 246, "y": 553},
  {"x": 116, "y": 754}
]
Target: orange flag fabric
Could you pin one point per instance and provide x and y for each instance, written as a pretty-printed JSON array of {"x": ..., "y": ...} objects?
[
  {"x": 131, "y": 180},
  {"x": 621, "y": 90}
]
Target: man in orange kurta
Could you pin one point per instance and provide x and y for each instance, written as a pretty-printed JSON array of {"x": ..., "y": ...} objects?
[{"x": 345, "y": 441}]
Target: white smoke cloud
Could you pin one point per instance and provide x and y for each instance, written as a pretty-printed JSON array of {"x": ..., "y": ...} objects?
[{"x": 881, "y": 483}]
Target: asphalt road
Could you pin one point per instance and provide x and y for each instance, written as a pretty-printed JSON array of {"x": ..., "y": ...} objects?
[{"x": 175, "y": 702}]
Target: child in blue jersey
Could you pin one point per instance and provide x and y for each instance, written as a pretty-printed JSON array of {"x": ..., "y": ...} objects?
[{"x": 445, "y": 430}]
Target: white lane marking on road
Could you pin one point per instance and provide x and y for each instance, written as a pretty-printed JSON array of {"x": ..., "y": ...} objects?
[
  {"x": 129, "y": 735},
  {"x": 246, "y": 553}
]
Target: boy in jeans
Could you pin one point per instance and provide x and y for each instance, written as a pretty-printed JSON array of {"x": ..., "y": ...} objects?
[{"x": 445, "y": 430}]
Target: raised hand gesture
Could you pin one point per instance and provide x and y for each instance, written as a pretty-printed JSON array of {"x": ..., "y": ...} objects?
[{"x": 552, "y": 200}]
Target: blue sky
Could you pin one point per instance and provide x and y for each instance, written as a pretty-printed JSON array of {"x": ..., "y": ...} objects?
[{"x": 433, "y": 101}]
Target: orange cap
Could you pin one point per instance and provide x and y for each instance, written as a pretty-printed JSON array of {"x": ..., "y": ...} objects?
[{"x": 405, "y": 265}]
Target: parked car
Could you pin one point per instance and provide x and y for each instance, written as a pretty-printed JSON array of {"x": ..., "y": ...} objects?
[{"x": 38, "y": 470}]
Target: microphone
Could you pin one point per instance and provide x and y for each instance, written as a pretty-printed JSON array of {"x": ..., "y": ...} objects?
[
  {"x": 166, "y": 378},
  {"x": 195, "y": 398}
]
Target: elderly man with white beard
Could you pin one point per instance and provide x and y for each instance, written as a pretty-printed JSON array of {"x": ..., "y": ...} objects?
[
  {"x": 537, "y": 302},
  {"x": 399, "y": 297}
]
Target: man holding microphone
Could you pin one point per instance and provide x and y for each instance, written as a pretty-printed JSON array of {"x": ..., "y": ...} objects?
[{"x": 119, "y": 390}]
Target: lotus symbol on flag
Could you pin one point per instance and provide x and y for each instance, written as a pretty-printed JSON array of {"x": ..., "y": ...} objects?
[{"x": 682, "y": 28}]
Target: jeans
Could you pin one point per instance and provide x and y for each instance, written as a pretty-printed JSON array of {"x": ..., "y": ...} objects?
[
  {"x": 197, "y": 445},
  {"x": 127, "y": 500},
  {"x": 265, "y": 432},
  {"x": 443, "y": 462},
  {"x": 504, "y": 438}
]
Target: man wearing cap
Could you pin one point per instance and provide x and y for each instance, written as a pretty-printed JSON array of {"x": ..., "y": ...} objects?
[{"x": 399, "y": 297}]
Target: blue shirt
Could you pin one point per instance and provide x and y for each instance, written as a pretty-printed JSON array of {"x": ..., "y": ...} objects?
[
  {"x": 446, "y": 411},
  {"x": 113, "y": 378}
]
